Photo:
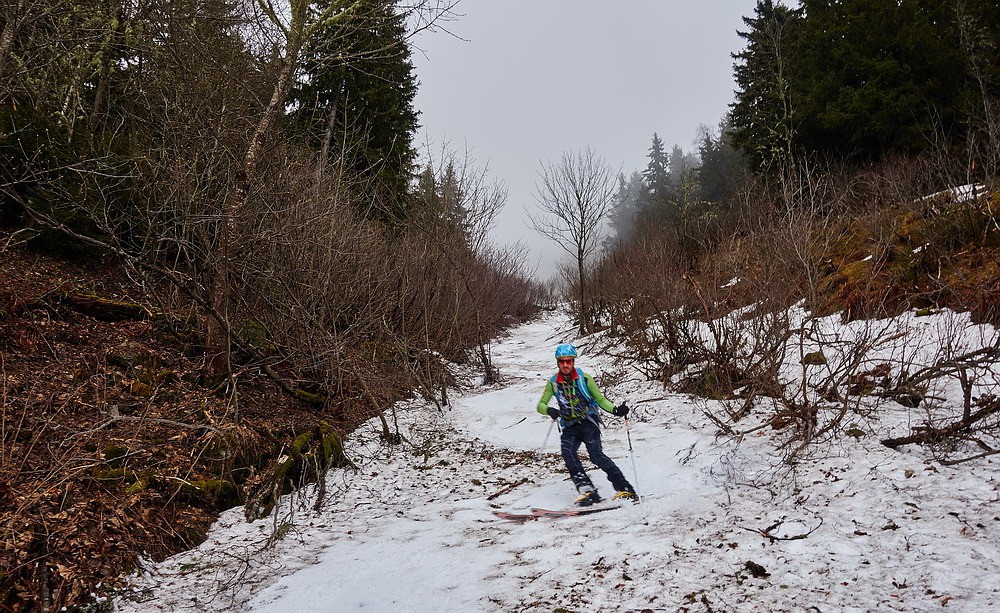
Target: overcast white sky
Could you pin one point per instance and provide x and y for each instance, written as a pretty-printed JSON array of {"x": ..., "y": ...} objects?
[{"x": 535, "y": 78}]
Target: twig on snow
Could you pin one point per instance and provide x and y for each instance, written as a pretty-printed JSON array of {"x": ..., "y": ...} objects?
[
  {"x": 507, "y": 489},
  {"x": 766, "y": 532}
]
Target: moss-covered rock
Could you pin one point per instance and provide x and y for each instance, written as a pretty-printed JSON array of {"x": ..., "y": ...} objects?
[
  {"x": 139, "y": 486},
  {"x": 155, "y": 376},
  {"x": 124, "y": 475},
  {"x": 106, "y": 309},
  {"x": 114, "y": 456},
  {"x": 256, "y": 334},
  {"x": 303, "y": 461},
  {"x": 127, "y": 355},
  {"x": 138, "y": 388}
]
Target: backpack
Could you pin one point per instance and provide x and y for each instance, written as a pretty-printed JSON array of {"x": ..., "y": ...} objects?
[{"x": 589, "y": 404}]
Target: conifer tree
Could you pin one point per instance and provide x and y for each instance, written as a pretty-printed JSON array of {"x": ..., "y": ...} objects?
[
  {"x": 722, "y": 168},
  {"x": 657, "y": 173},
  {"x": 658, "y": 192},
  {"x": 762, "y": 115},
  {"x": 629, "y": 203},
  {"x": 355, "y": 99},
  {"x": 859, "y": 80},
  {"x": 876, "y": 77}
]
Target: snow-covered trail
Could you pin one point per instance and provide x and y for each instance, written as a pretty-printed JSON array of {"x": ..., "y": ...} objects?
[{"x": 861, "y": 528}]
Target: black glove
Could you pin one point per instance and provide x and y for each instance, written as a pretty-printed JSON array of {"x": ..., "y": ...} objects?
[
  {"x": 553, "y": 413},
  {"x": 620, "y": 410}
]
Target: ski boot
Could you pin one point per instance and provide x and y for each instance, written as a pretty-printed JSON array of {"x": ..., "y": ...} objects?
[
  {"x": 587, "y": 498},
  {"x": 626, "y": 494}
]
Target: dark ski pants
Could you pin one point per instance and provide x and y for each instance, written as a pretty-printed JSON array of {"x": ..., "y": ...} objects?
[{"x": 588, "y": 433}]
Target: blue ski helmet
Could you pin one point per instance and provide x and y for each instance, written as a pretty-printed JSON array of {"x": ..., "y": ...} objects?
[{"x": 565, "y": 350}]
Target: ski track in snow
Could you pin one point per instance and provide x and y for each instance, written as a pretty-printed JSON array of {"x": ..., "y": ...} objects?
[{"x": 858, "y": 527}]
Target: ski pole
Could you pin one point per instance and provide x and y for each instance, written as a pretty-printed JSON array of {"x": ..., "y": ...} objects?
[
  {"x": 635, "y": 473},
  {"x": 546, "y": 441}
]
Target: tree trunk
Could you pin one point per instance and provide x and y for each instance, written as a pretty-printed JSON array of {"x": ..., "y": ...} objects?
[
  {"x": 103, "y": 82},
  {"x": 488, "y": 373},
  {"x": 331, "y": 123},
  {"x": 7, "y": 36},
  {"x": 217, "y": 342}
]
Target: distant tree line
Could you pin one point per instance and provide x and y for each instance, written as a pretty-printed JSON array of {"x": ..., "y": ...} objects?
[{"x": 677, "y": 185}]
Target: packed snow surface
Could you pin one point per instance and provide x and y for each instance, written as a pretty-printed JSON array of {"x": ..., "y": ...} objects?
[{"x": 725, "y": 523}]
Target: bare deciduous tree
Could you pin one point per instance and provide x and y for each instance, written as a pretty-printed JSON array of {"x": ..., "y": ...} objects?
[{"x": 576, "y": 195}]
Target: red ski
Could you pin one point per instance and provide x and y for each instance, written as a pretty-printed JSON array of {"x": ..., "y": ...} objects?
[
  {"x": 554, "y": 513},
  {"x": 575, "y": 511},
  {"x": 516, "y": 516}
]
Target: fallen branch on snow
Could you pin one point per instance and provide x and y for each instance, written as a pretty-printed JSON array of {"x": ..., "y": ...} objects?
[
  {"x": 507, "y": 489},
  {"x": 766, "y": 532},
  {"x": 927, "y": 434}
]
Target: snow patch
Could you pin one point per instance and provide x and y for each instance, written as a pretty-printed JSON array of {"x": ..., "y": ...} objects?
[{"x": 962, "y": 193}]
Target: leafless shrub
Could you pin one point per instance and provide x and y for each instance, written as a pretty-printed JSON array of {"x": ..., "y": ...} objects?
[{"x": 646, "y": 308}]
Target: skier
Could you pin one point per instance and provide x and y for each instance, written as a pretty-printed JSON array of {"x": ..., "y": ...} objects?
[{"x": 579, "y": 398}]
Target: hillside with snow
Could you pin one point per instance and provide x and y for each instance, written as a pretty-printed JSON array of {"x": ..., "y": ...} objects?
[{"x": 727, "y": 522}]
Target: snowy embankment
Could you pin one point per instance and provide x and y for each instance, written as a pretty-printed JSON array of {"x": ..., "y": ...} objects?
[{"x": 855, "y": 526}]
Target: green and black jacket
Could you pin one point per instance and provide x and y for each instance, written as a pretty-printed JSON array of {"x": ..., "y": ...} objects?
[{"x": 577, "y": 396}]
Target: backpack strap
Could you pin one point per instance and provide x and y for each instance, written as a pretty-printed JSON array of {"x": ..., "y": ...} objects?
[{"x": 581, "y": 385}]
